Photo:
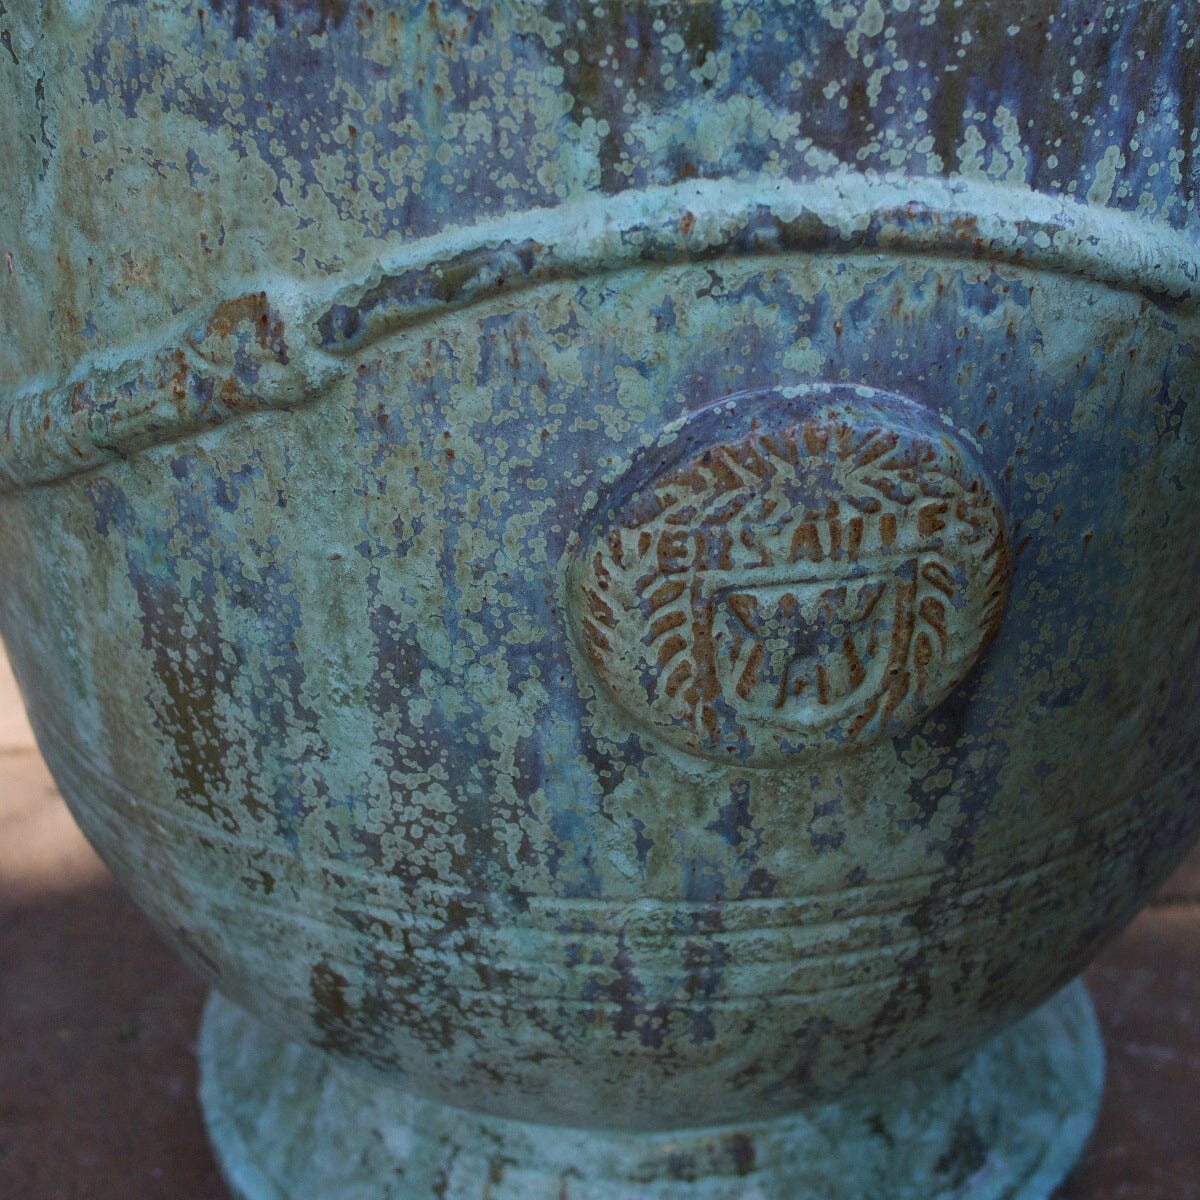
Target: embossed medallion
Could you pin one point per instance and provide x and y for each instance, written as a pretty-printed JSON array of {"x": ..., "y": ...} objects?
[{"x": 790, "y": 572}]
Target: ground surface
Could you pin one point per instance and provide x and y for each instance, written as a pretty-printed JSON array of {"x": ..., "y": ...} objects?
[{"x": 98, "y": 1020}]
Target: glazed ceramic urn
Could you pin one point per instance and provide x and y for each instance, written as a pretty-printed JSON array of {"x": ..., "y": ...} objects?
[{"x": 621, "y": 578}]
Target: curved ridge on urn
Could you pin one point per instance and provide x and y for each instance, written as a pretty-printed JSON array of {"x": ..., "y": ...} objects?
[
  {"x": 263, "y": 350},
  {"x": 703, "y": 220}
]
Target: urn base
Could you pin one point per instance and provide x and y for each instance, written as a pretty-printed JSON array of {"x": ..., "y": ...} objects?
[{"x": 287, "y": 1123}]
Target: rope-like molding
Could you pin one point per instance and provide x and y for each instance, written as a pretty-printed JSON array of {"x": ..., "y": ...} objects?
[
  {"x": 702, "y": 221},
  {"x": 279, "y": 348},
  {"x": 237, "y": 362}
]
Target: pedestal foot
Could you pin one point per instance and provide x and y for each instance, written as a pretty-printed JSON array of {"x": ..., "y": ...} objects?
[{"x": 289, "y": 1124}]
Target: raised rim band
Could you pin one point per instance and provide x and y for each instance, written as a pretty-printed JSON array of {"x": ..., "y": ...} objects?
[{"x": 277, "y": 344}]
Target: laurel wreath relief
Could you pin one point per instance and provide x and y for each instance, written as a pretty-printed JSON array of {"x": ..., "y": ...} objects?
[{"x": 821, "y": 578}]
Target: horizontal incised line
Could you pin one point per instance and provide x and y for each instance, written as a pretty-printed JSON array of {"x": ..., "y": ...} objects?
[
  {"x": 787, "y": 953},
  {"x": 546, "y": 909}
]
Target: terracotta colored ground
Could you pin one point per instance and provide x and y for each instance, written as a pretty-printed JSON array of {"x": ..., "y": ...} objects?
[{"x": 98, "y": 1020}]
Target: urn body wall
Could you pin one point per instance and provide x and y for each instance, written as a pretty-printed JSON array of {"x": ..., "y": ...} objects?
[{"x": 625, "y": 567}]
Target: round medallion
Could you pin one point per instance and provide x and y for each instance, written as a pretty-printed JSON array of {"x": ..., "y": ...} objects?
[{"x": 789, "y": 572}]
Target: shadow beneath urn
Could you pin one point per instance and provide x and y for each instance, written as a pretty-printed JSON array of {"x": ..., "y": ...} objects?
[
  {"x": 1147, "y": 991},
  {"x": 97, "y": 1024}
]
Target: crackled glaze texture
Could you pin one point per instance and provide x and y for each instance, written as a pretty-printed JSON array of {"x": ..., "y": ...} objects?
[{"x": 351, "y": 354}]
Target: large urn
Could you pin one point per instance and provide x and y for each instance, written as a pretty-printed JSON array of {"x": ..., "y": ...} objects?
[{"x": 621, "y": 578}]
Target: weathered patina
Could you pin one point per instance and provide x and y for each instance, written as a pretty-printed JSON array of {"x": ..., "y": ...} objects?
[{"x": 356, "y": 356}]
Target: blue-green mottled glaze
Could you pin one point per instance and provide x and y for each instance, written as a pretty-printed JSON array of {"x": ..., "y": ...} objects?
[{"x": 335, "y": 336}]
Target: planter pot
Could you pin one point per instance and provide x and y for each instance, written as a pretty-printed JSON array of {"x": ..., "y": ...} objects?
[{"x": 620, "y": 579}]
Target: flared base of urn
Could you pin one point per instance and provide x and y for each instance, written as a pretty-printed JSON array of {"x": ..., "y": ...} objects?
[{"x": 289, "y": 1124}]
